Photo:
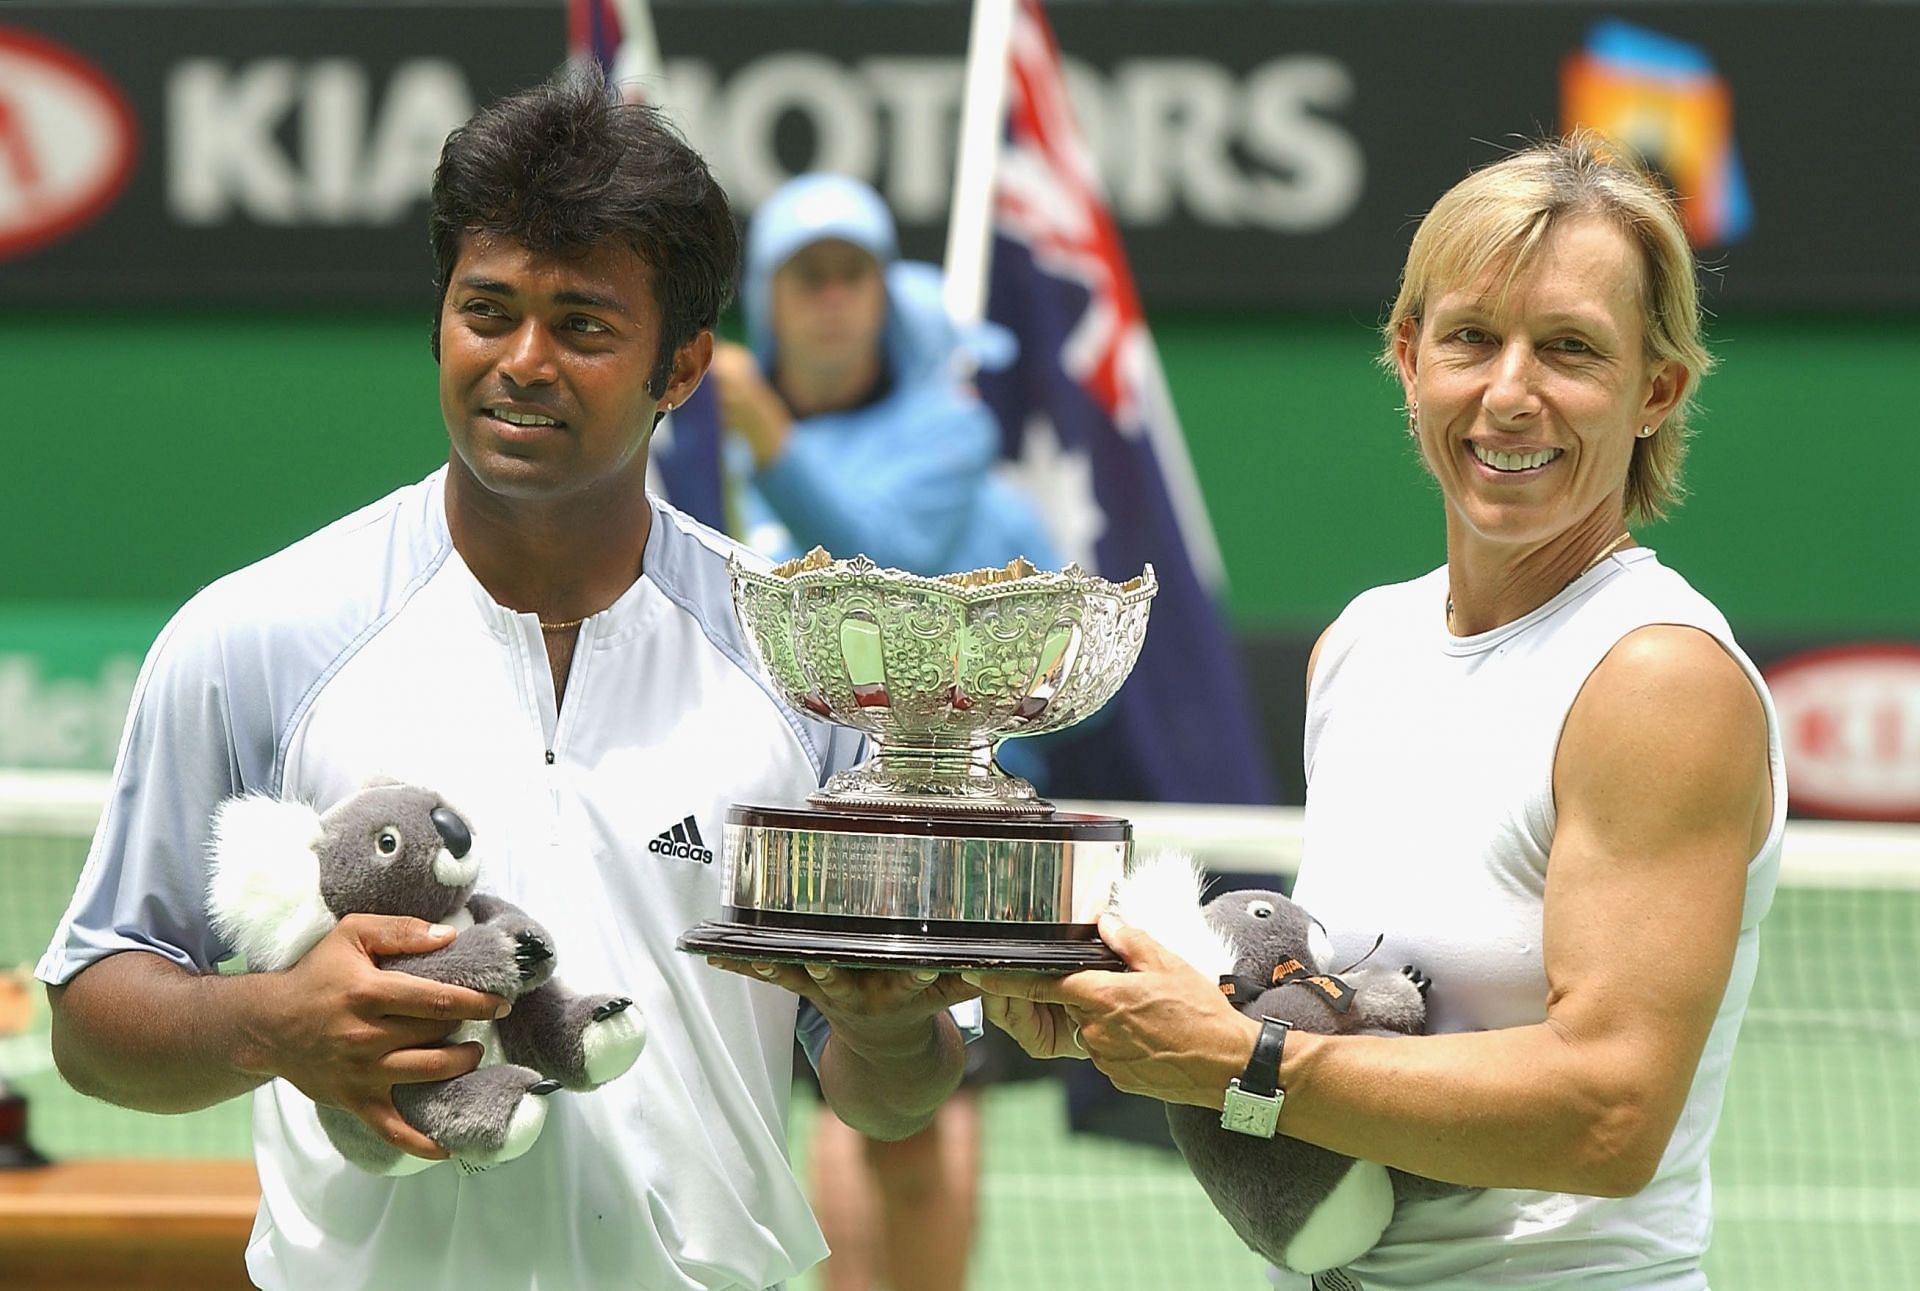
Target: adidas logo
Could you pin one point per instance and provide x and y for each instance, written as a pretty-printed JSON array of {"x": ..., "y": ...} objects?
[{"x": 683, "y": 841}]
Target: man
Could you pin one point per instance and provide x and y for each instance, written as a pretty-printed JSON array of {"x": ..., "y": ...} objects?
[
  {"x": 851, "y": 431},
  {"x": 526, "y": 632}
]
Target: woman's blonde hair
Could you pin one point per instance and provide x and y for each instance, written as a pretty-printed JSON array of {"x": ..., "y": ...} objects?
[{"x": 1496, "y": 219}]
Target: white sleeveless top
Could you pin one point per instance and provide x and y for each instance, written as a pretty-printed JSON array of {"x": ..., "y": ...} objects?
[{"x": 1429, "y": 818}]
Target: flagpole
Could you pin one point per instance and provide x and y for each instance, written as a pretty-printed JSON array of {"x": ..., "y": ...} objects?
[
  {"x": 982, "y": 122},
  {"x": 638, "y": 57}
]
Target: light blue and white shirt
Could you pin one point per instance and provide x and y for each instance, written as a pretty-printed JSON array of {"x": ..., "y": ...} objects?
[{"x": 370, "y": 648}]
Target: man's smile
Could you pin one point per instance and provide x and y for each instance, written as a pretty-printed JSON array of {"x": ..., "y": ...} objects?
[{"x": 520, "y": 423}]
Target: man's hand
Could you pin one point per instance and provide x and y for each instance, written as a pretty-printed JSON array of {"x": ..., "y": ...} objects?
[
  {"x": 892, "y": 1057},
  {"x": 749, "y": 406},
  {"x": 874, "y": 1011},
  {"x": 344, "y": 1031},
  {"x": 1159, "y": 1029}
]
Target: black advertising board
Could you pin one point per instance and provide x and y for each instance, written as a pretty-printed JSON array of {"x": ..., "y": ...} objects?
[{"x": 1260, "y": 155}]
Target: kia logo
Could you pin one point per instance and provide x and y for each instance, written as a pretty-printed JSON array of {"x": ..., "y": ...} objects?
[
  {"x": 1850, "y": 721},
  {"x": 66, "y": 142}
]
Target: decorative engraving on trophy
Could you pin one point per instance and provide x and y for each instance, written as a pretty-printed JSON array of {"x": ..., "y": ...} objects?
[
  {"x": 936, "y": 671},
  {"x": 928, "y": 852}
]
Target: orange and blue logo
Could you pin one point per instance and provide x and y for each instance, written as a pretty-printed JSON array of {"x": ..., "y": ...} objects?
[{"x": 1663, "y": 99}]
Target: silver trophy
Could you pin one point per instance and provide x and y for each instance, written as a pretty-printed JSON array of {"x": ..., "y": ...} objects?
[{"x": 927, "y": 853}]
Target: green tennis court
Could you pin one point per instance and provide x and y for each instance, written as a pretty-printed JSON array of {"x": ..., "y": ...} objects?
[{"x": 1816, "y": 1167}]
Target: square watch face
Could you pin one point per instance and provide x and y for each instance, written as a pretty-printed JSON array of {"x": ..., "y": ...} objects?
[{"x": 1246, "y": 1113}]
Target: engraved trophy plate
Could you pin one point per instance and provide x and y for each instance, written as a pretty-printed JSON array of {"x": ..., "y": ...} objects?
[{"x": 927, "y": 853}]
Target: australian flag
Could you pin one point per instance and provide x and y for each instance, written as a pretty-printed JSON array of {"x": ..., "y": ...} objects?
[
  {"x": 594, "y": 32},
  {"x": 1089, "y": 425},
  {"x": 683, "y": 459}
]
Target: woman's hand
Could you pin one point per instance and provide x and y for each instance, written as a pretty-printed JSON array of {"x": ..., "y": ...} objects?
[
  {"x": 1043, "y": 1030},
  {"x": 1158, "y": 1029}
]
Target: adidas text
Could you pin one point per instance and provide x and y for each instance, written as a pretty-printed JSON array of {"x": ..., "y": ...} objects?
[{"x": 683, "y": 841}]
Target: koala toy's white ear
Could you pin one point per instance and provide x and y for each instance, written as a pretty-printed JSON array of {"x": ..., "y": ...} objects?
[
  {"x": 263, "y": 884},
  {"x": 1161, "y": 895}
]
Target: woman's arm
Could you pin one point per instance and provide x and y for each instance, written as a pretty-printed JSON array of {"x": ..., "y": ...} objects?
[{"x": 1663, "y": 792}]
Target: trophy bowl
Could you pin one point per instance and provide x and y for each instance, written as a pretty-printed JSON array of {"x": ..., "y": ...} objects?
[
  {"x": 927, "y": 853},
  {"x": 936, "y": 671}
]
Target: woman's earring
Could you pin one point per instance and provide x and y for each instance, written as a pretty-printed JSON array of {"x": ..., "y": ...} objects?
[
  {"x": 1413, "y": 418},
  {"x": 1645, "y": 432}
]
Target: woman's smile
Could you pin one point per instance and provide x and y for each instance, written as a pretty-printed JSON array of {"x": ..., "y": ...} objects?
[{"x": 1518, "y": 462}]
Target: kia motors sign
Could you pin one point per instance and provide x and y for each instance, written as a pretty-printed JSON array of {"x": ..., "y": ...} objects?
[
  {"x": 1850, "y": 723},
  {"x": 67, "y": 142},
  {"x": 1255, "y": 155}
]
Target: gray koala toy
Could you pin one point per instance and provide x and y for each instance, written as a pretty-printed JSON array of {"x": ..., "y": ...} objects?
[
  {"x": 282, "y": 875},
  {"x": 1297, "y": 1205}
]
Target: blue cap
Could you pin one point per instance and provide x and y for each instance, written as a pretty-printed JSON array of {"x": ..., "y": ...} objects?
[
  {"x": 807, "y": 209},
  {"x": 813, "y": 208}
]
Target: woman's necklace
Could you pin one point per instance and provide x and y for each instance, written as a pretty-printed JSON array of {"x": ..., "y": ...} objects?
[{"x": 1607, "y": 551}]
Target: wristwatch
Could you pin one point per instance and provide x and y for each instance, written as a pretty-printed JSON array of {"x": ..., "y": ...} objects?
[{"x": 1252, "y": 1104}]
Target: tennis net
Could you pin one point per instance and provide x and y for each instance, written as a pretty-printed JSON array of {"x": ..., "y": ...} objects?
[{"x": 1816, "y": 1166}]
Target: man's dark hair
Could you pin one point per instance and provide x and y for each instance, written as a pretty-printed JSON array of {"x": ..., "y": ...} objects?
[{"x": 562, "y": 169}]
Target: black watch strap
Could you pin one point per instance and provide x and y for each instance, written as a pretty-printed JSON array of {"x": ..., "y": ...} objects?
[{"x": 1262, "y": 1076}]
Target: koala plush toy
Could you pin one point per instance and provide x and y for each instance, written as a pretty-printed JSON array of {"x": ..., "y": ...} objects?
[
  {"x": 1297, "y": 1205},
  {"x": 282, "y": 875}
]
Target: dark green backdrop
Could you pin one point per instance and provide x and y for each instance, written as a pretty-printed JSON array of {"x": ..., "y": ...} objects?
[{"x": 146, "y": 454}]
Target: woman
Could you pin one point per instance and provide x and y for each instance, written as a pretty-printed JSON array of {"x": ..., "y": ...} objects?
[{"x": 1544, "y": 771}]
